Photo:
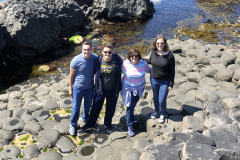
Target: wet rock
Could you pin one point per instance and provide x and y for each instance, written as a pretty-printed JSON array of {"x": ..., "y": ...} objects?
[
  {"x": 123, "y": 10},
  {"x": 192, "y": 123},
  {"x": 50, "y": 104},
  {"x": 226, "y": 132},
  {"x": 215, "y": 120},
  {"x": 13, "y": 124},
  {"x": 48, "y": 138},
  {"x": 65, "y": 145},
  {"x": 41, "y": 115},
  {"x": 192, "y": 150},
  {"x": 10, "y": 152},
  {"x": 31, "y": 151},
  {"x": 32, "y": 127},
  {"x": 50, "y": 155}
]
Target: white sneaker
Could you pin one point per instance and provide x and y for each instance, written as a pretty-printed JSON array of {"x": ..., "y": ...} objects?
[
  {"x": 72, "y": 130},
  {"x": 161, "y": 119}
]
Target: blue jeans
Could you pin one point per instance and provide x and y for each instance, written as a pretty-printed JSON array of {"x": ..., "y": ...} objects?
[
  {"x": 130, "y": 110},
  {"x": 98, "y": 100},
  {"x": 78, "y": 94},
  {"x": 160, "y": 92}
]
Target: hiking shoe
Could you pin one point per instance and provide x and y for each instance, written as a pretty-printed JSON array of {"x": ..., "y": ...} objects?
[
  {"x": 72, "y": 130},
  {"x": 84, "y": 129},
  {"x": 161, "y": 119},
  {"x": 109, "y": 129},
  {"x": 131, "y": 132},
  {"x": 154, "y": 115}
]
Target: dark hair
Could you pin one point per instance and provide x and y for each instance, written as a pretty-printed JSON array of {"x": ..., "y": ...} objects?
[
  {"x": 165, "y": 48},
  {"x": 131, "y": 52},
  {"x": 107, "y": 45},
  {"x": 86, "y": 43}
]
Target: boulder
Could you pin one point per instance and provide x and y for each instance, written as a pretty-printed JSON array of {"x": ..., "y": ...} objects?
[
  {"x": 123, "y": 10},
  {"x": 35, "y": 27}
]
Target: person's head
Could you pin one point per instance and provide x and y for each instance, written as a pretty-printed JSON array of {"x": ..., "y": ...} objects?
[
  {"x": 160, "y": 43},
  {"x": 86, "y": 50},
  {"x": 134, "y": 56},
  {"x": 107, "y": 52}
]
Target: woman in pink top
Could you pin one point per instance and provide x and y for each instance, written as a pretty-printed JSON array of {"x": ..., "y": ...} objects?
[{"x": 133, "y": 83}]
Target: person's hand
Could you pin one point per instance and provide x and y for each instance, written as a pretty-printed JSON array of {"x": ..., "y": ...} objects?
[
  {"x": 70, "y": 92},
  {"x": 169, "y": 88}
]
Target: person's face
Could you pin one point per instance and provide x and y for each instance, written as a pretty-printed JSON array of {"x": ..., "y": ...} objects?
[
  {"x": 160, "y": 44},
  {"x": 134, "y": 58},
  {"x": 86, "y": 51},
  {"x": 107, "y": 54}
]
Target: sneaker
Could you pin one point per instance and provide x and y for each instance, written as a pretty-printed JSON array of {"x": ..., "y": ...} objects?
[
  {"x": 154, "y": 115},
  {"x": 131, "y": 132},
  {"x": 109, "y": 129},
  {"x": 161, "y": 119},
  {"x": 72, "y": 130},
  {"x": 84, "y": 129}
]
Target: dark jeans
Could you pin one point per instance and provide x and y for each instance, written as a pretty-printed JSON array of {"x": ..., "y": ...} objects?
[
  {"x": 98, "y": 100},
  {"x": 78, "y": 94},
  {"x": 160, "y": 92},
  {"x": 130, "y": 110}
]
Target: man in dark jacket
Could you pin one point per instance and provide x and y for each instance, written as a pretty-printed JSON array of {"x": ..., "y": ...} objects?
[{"x": 107, "y": 85}]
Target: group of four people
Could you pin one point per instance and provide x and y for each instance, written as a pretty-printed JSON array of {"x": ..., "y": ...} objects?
[{"x": 107, "y": 69}]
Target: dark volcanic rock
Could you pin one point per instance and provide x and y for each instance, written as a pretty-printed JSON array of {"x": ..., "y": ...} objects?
[
  {"x": 35, "y": 27},
  {"x": 123, "y": 10}
]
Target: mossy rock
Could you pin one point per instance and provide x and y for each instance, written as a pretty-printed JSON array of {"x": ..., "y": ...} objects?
[{"x": 76, "y": 39}]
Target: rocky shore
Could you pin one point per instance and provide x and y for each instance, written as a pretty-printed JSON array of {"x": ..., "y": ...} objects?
[{"x": 203, "y": 115}]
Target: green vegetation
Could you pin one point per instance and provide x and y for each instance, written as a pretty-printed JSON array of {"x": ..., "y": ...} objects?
[
  {"x": 76, "y": 39},
  {"x": 25, "y": 138},
  {"x": 68, "y": 111},
  {"x": 20, "y": 156},
  {"x": 21, "y": 98},
  {"x": 50, "y": 118},
  {"x": 53, "y": 112},
  {"x": 1, "y": 148},
  {"x": 102, "y": 114},
  {"x": 81, "y": 143},
  {"x": 34, "y": 141},
  {"x": 22, "y": 147},
  {"x": 44, "y": 150}
]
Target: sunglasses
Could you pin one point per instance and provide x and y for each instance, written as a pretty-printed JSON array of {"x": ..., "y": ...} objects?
[
  {"x": 109, "y": 52},
  {"x": 136, "y": 56},
  {"x": 161, "y": 43}
]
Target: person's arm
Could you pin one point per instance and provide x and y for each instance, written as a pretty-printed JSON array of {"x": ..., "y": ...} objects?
[
  {"x": 172, "y": 74},
  {"x": 71, "y": 78}
]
